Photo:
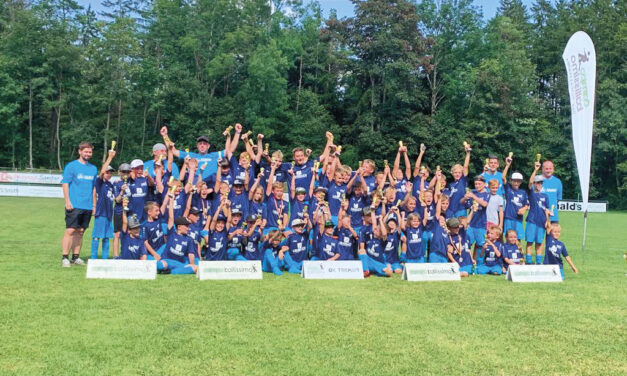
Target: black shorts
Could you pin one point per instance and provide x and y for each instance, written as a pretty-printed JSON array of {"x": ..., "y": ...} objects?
[
  {"x": 77, "y": 218},
  {"x": 117, "y": 222}
]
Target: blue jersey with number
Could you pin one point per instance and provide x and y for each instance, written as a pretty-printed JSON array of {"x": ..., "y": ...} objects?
[
  {"x": 104, "y": 200},
  {"x": 515, "y": 199},
  {"x": 178, "y": 247},
  {"x": 132, "y": 248},
  {"x": 81, "y": 179},
  {"x": 415, "y": 248}
]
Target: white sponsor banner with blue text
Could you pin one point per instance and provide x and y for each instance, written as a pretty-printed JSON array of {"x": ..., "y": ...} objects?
[
  {"x": 216, "y": 270},
  {"x": 332, "y": 270},
  {"x": 577, "y": 206},
  {"x": 534, "y": 273},
  {"x": 30, "y": 191},
  {"x": 121, "y": 269},
  {"x": 431, "y": 272}
]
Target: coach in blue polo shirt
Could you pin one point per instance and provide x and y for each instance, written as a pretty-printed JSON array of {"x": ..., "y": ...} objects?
[
  {"x": 78, "y": 191},
  {"x": 159, "y": 150},
  {"x": 552, "y": 187},
  {"x": 203, "y": 156}
]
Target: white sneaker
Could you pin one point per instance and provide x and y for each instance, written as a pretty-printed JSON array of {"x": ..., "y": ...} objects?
[
  {"x": 78, "y": 261},
  {"x": 65, "y": 263}
]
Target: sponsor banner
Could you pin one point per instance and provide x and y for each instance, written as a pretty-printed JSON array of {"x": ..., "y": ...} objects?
[
  {"x": 30, "y": 178},
  {"x": 30, "y": 191},
  {"x": 534, "y": 273},
  {"x": 229, "y": 270},
  {"x": 332, "y": 270},
  {"x": 431, "y": 272},
  {"x": 593, "y": 207},
  {"x": 580, "y": 61},
  {"x": 121, "y": 269}
]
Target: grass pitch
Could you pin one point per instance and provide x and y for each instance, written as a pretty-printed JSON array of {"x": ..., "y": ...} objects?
[{"x": 53, "y": 321}]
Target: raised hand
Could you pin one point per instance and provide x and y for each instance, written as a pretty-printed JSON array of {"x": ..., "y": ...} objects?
[{"x": 238, "y": 128}]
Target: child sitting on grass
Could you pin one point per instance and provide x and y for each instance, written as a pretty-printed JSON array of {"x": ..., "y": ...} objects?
[
  {"x": 512, "y": 254},
  {"x": 491, "y": 253}
]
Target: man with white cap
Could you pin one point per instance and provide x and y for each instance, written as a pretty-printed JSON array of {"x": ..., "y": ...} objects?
[
  {"x": 203, "y": 156},
  {"x": 138, "y": 184},
  {"x": 159, "y": 150},
  {"x": 516, "y": 202}
]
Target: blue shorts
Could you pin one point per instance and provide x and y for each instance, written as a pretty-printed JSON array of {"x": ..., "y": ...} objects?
[
  {"x": 436, "y": 257},
  {"x": 513, "y": 224},
  {"x": 421, "y": 260},
  {"x": 234, "y": 254},
  {"x": 292, "y": 266},
  {"x": 466, "y": 268},
  {"x": 374, "y": 266},
  {"x": 460, "y": 213},
  {"x": 103, "y": 228},
  {"x": 476, "y": 235},
  {"x": 396, "y": 266},
  {"x": 484, "y": 269},
  {"x": 159, "y": 252},
  {"x": 534, "y": 233}
]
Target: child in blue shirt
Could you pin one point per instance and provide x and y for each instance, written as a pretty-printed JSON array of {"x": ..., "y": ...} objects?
[
  {"x": 516, "y": 202},
  {"x": 491, "y": 253},
  {"x": 295, "y": 248},
  {"x": 273, "y": 258},
  {"x": 152, "y": 233},
  {"x": 537, "y": 217},
  {"x": 393, "y": 241},
  {"x": 217, "y": 237},
  {"x": 236, "y": 236},
  {"x": 458, "y": 249},
  {"x": 371, "y": 247},
  {"x": 103, "y": 225},
  {"x": 254, "y": 237},
  {"x": 347, "y": 236},
  {"x": 457, "y": 188},
  {"x": 478, "y": 201},
  {"x": 555, "y": 249},
  {"x": 132, "y": 243},
  {"x": 512, "y": 254},
  {"x": 414, "y": 251}
]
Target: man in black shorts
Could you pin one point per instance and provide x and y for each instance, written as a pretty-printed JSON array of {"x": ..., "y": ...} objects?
[{"x": 78, "y": 190}]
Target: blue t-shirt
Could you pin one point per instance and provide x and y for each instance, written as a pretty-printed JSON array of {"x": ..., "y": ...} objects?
[
  {"x": 416, "y": 186},
  {"x": 218, "y": 241},
  {"x": 132, "y": 248},
  {"x": 256, "y": 208},
  {"x": 415, "y": 248},
  {"x": 81, "y": 179},
  {"x": 297, "y": 246},
  {"x": 139, "y": 190},
  {"x": 479, "y": 218},
  {"x": 152, "y": 232},
  {"x": 401, "y": 189},
  {"x": 552, "y": 188},
  {"x": 327, "y": 247},
  {"x": 236, "y": 241},
  {"x": 365, "y": 235},
  {"x": 210, "y": 158},
  {"x": 515, "y": 199},
  {"x": 374, "y": 249},
  {"x": 303, "y": 176},
  {"x": 297, "y": 209},
  {"x": 457, "y": 190},
  {"x": 459, "y": 243},
  {"x": 104, "y": 200},
  {"x": 538, "y": 203},
  {"x": 555, "y": 249},
  {"x": 511, "y": 252},
  {"x": 274, "y": 210},
  {"x": 391, "y": 247},
  {"x": 344, "y": 244},
  {"x": 239, "y": 201},
  {"x": 239, "y": 172},
  {"x": 490, "y": 257},
  {"x": 178, "y": 247},
  {"x": 355, "y": 209},
  {"x": 334, "y": 197},
  {"x": 117, "y": 188},
  {"x": 251, "y": 250},
  {"x": 498, "y": 176},
  {"x": 440, "y": 240},
  {"x": 431, "y": 219},
  {"x": 150, "y": 167}
]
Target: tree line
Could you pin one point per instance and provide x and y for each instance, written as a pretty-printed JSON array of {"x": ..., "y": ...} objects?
[{"x": 430, "y": 71}]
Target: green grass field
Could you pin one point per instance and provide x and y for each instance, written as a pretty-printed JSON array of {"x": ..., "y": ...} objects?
[{"x": 53, "y": 321}]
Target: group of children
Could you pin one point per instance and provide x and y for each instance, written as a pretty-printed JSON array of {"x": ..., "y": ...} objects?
[{"x": 258, "y": 207}]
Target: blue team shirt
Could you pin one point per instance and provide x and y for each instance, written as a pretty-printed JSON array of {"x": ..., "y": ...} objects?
[
  {"x": 150, "y": 167},
  {"x": 552, "y": 188},
  {"x": 555, "y": 249},
  {"x": 297, "y": 209},
  {"x": 538, "y": 202},
  {"x": 391, "y": 247},
  {"x": 239, "y": 201},
  {"x": 274, "y": 210},
  {"x": 257, "y": 209},
  {"x": 327, "y": 247},
  {"x": 374, "y": 249},
  {"x": 132, "y": 248},
  {"x": 104, "y": 200},
  {"x": 490, "y": 257},
  {"x": 355, "y": 208},
  {"x": 515, "y": 199},
  {"x": 117, "y": 188},
  {"x": 415, "y": 248},
  {"x": 457, "y": 190},
  {"x": 465, "y": 257},
  {"x": 218, "y": 241},
  {"x": 152, "y": 232},
  {"x": 178, "y": 247},
  {"x": 479, "y": 218},
  {"x": 210, "y": 158},
  {"x": 498, "y": 176},
  {"x": 440, "y": 240},
  {"x": 344, "y": 244},
  {"x": 303, "y": 176},
  {"x": 81, "y": 179},
  {"x": 511, "y": 252},
  {"x": 139, "y": 191},
  {"x": 431, "y": 219},
  {"x": 297, "y": 246},
  {"x": 237, "y": 241},
  {"x": 251, "y": 250}
]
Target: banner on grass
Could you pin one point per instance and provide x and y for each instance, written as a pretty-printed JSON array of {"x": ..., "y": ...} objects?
[
  {"x": 16, "y": 190},
  {"x": 332, "y": 270},
  {"x": 431, "y": 272},
  {"x": 121, "y": 269},
  {"x": 216, "y": 270},
  {"x": 580, "y": 60},
  {"x": 534, "y": 273}
]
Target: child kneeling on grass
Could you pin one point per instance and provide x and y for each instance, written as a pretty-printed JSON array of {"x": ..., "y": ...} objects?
[
  {"x": 491, "y": 253},
  {"x": 458, "y": 249},
  {"x": 555, "y": 249},
  {"x": 273, "y": 256},
  {"x": 133, "y": 247},
  {"x": 512, "y": 254},
  {"x": 180, "y": 253}
]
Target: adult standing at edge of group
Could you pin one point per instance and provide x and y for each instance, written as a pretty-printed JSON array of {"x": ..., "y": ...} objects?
[
  {"x": 78, "y": 187},
  {"x": 203, "y": 156},
  {"x": 552, "y": 187}
]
